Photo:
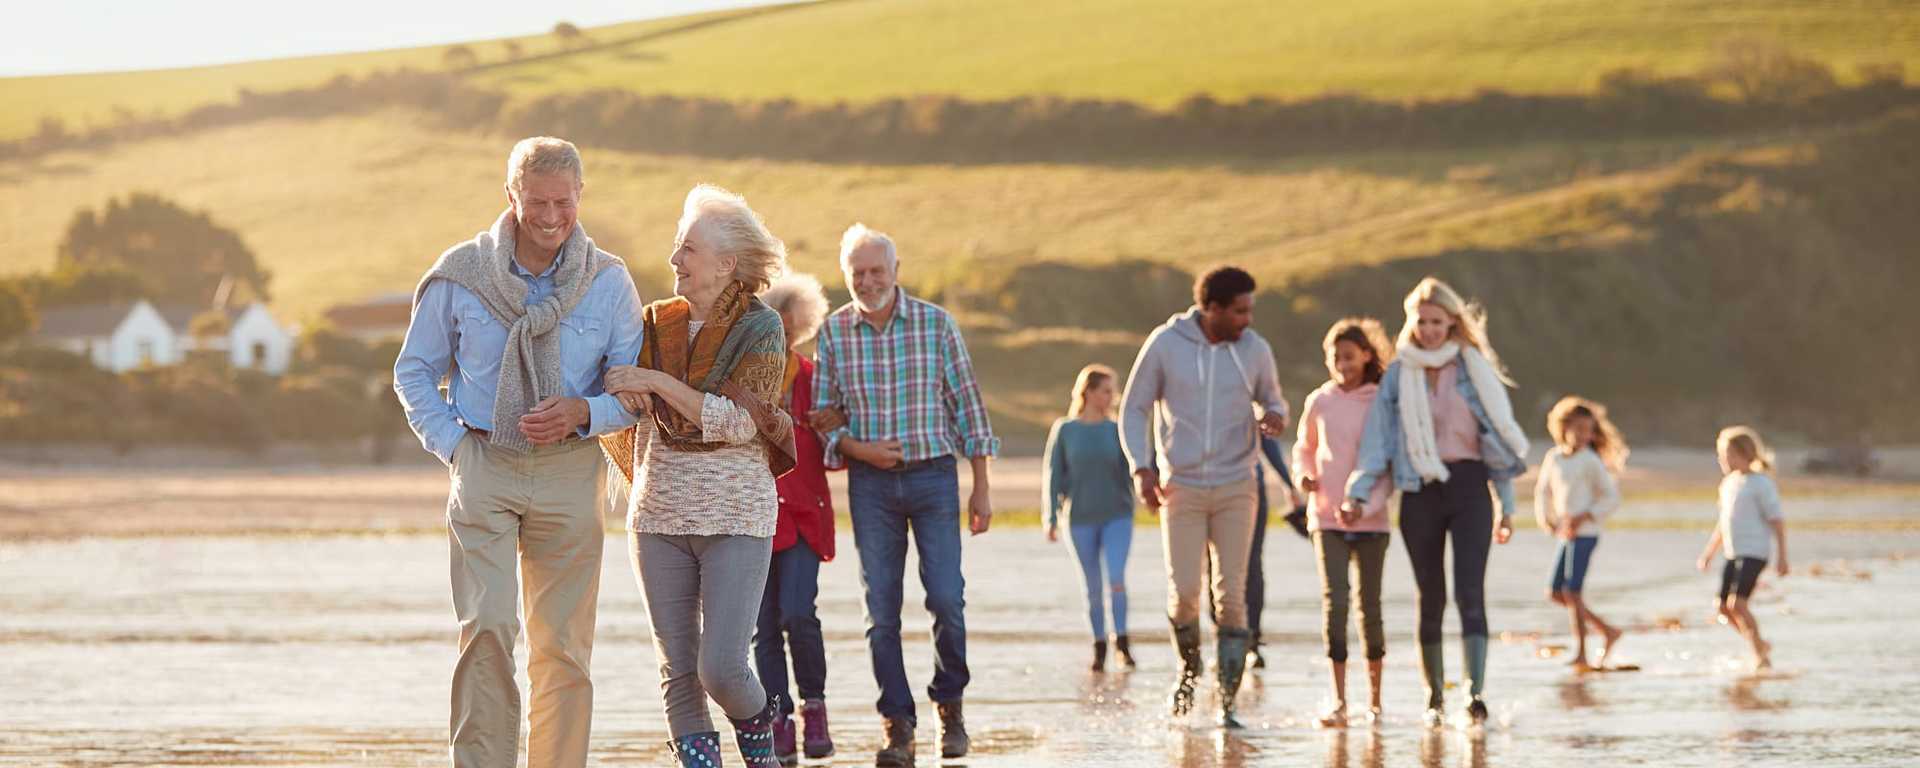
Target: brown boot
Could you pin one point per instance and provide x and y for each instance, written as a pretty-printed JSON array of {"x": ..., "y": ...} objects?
[
  {"x": 953, "y": 730},
  {"x": 898, "y": 750}
]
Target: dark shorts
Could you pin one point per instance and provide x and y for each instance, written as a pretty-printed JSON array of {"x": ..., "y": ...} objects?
[
  {"x": 1739, "y": 575},
  {"x": 1570, "y": 566}
]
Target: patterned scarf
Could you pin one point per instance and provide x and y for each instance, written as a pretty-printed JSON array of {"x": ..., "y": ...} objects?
[{"x": 739, "y": 353}]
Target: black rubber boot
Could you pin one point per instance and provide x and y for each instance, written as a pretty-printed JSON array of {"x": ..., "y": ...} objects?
[
  {"x": 1099, "y": 656},
  {"x": 1123, "y": 649},
  {"x": 1233, "y": 665},
  {"x": 1186, "y": 641}
]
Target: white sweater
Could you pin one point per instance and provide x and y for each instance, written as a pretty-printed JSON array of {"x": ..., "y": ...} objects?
[{"x": 1570, "y": 485}]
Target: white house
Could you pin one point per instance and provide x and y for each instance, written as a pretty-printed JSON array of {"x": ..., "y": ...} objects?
[
  {"x": 116, "y": 337},
  {"x": 124, "y": 336}
]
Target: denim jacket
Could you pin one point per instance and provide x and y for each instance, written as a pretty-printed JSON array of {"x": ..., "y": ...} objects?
[{"x": 1383, "y": 447}]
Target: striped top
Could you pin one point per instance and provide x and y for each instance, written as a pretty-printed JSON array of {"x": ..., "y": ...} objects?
[{"x": 911, "y": 381}]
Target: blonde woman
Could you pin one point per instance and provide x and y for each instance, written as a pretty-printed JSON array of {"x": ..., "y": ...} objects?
[
  {"x": 1443, "y": 428},
  {"x": 1087, "y": 470},
  {"x": 703, "y": 506}
]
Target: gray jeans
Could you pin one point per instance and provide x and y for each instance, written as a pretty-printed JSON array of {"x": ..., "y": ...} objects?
[{"x": 703, "y": 597}]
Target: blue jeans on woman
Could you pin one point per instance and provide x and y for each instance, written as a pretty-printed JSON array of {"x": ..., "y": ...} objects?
[
  {"x": 1098, "y": 544},
  {"x": 788, "y": 618},
  {"x": 922, "y": 499}
]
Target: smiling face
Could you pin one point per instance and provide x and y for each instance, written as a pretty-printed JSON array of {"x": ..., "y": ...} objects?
[
  {"x": 545, "y": 208},
  {"x": 1347, "y": 363},
  {"x": 1225, "y": 322},
  {"x": 699, "y": 269},
  {"x": 871, "y": 276},
  {"x": 1099, "y": 398},
  {"x": 1433, "y": 327}
]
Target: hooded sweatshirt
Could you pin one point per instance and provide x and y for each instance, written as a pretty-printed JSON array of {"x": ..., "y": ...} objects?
[
  {"x": 1331, "y": 425},
  {"x": 1202, "y": 401}
]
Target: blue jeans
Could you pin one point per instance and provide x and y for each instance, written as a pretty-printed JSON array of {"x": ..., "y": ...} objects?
[
  {"x": 885, "y": 506},
  {"x": 1104, "y": 543},
  {"x": 787, "y": 613},
  {"x": 1570, "y": 563}
]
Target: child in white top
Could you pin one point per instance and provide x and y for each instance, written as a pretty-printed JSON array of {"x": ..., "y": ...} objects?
[
  {"x": 1751, "y": 527},
  {"x": 1574, "y": 493}
]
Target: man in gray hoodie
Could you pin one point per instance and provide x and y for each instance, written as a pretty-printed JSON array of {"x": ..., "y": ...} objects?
[{"x": 1206, "y": 384}]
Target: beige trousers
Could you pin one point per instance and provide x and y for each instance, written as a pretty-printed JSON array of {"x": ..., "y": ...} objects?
[
  {"x": 543, "y": 510},
  {"x": 1194, "y": 520}
]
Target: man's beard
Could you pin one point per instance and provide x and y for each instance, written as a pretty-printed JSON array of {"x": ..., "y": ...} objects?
[{"x": 886, "y": 300}]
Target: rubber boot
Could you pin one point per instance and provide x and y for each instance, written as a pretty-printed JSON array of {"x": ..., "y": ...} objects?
[
  {"x": 1186, "y": 641},
  {"x": 1474, "y": 649},
  {"x": 1233, "y": 664},
  {"x": 1099, "y": 656},
  {"x": 1433, "y": 674},
  {"x": 754, "y": 737},
  {"x": 697, "y": 750}
]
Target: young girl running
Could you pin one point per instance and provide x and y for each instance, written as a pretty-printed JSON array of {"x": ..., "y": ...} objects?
[
  {"x": 1330, "y": 427},
  {"x": 1751, "y": 527},
  {"x": 1575, "y": 492}
]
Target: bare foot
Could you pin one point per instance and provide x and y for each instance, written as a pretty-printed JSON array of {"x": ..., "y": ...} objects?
[
  {"x": 1579, "y": 665},
  {"x": 1763, "y": 657},
  {"x": 1606, "y": 648},
  {"x": 1335, "y": 718}
]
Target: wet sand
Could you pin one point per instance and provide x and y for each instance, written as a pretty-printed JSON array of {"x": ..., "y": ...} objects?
[{"x": 320, "y": 649}]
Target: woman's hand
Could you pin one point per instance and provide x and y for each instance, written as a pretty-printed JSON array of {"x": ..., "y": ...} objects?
[
  {"x": 1350, "y": 513},
  {"x": 634, "y": 402},
  {"x": 1053, "y": 533},
  {"x": 623, "y": 379},
  {"x": 1703, "y": 563},
  {"x": 1783, "y": 566},
  {"x": 1503, "y": 531}
]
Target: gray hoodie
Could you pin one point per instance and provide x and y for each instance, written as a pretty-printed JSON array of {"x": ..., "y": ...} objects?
[{"x": 1203, "y": 397}]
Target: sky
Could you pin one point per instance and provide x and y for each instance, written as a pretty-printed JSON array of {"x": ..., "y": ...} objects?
[{"x": 65, "y": 36}]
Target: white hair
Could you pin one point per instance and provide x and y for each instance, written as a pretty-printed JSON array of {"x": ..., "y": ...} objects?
[
  {"x": 859, "y": 235},
  {"x": 759, "y": 257},
  {"x": 800, "y": 295},
  {"x": 544, "y": 154}
]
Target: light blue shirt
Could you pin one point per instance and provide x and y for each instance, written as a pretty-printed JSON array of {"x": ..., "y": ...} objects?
[{"x": 454, "y": 338}]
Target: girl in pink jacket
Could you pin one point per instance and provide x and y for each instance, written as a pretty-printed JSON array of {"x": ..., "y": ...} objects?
[{"x": 1323, "y": 457}]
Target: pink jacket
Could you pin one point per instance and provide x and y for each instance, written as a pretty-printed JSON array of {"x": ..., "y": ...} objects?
[{"x": 1329, "y": 445}]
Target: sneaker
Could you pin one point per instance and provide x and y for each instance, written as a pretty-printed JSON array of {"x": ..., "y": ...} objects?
[{"x": 814, "y": 736}]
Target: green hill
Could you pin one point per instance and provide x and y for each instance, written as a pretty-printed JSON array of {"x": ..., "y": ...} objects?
[{"x": 1142, "y": 51}]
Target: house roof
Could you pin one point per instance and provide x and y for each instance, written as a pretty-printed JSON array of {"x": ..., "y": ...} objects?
[
  {"x": 380, "y": 313},
  {"x": 82, "y": 321},
  {"x": 180, "y": 317}
]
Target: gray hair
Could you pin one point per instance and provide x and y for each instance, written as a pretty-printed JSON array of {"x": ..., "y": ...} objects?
[
  {"x": 759, "y": 257},
  {"x": 859, "y": 235},
  {"x": 544, "y": 154},
  {"x": 800, "y": 295}
]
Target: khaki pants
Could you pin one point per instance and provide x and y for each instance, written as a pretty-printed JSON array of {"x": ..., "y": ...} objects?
[
  {"x": 1194, "y": 521},
  {"x": 542, "y": 509}
]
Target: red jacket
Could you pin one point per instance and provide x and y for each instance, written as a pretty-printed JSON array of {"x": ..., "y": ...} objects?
[{"x": 806, "y": 504}]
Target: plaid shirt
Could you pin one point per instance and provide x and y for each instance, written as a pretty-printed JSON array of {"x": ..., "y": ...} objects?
[{"x": 911, "y": 381}]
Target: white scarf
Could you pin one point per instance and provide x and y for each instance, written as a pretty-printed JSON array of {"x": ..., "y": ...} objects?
[{"x": 1416, "y": 410}]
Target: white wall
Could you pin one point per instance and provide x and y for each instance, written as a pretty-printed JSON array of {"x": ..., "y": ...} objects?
[
  {"x": 257, "y": 341},
  {"x": 143, "y": 337}
]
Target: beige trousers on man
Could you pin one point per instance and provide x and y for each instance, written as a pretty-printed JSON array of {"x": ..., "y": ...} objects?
[
  {"x": 543, "y": 509},
  {"x": 1194, "y": 520}
]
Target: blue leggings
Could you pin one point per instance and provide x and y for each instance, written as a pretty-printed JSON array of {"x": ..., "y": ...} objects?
[{"x": 1094, "y": 544}]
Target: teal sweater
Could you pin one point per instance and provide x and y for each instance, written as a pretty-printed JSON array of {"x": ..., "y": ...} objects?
[{"x": 1087, "y": 469}]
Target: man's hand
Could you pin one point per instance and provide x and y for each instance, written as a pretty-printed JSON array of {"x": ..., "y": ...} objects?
[
  {"x": 1309, "y": 484},
  {"x": 979, "y": 509},
  {"x": 824, "y": 420},
  {"x": 553, "y": 419},
  {"x": 885, "y": 454},
  {"x": 1783, "y": 566},
  {"x": 1350, "y": 512},
  {"x": 1146, "y": 484},
  {"x": 1274, "y": 424}
]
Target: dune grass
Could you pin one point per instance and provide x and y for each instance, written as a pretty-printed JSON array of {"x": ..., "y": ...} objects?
[{"x": 1145, "y": 51}]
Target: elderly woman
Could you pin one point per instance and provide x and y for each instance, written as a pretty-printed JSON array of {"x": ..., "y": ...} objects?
[
  {"x": 802, "y": 540},
  {"x": 701, "y": 512}
]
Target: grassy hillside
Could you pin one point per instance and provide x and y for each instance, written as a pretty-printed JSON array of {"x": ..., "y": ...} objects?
[{"x": 1144, "y": 51}]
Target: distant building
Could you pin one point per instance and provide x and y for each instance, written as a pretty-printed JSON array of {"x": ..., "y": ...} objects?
[
  {"x": 123, "y": 336},
  {"x": 378, "y": 319}
]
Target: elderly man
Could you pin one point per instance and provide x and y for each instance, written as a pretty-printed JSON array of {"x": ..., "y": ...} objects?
[
  {"x": 522, "y": 322},
  {"x": 1211, "y": 383},
  {"x": 895, "y": 368}
]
